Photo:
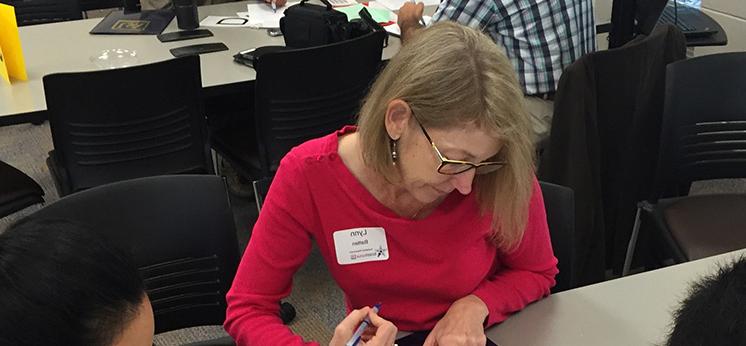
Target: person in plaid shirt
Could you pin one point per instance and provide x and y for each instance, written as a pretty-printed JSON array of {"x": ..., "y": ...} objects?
[{"x": 540, "y": 37}]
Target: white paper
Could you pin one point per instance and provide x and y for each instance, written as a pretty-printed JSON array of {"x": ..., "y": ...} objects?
[
  {"x": 395, "y": 30},
  {"x": 395, "y": 5},
  {"x": 225, "y": 22},
  {"x": 336, "y": 3},
  {"x": 261, "y": 15}
]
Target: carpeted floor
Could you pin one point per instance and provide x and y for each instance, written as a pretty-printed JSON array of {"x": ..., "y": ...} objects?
[{"x": 316, "y": 298}]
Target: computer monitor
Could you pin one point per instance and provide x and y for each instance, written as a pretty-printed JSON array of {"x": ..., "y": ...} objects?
[{"x": 632, "y": 17}]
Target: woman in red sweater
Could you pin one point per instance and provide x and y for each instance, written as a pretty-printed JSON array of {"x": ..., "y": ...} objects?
[{"x": 428, "y": 206}]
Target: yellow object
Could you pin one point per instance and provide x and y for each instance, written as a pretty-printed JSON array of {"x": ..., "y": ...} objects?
[{"x": 11, "y": 54}]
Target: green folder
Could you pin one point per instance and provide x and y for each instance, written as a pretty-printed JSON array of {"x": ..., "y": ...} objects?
[{"x": 380, "y": 15}]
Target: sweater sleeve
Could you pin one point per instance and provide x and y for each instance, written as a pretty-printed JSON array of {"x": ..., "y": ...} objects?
[
  {"x": 280, "y": 243},
  {"x": 527, "y": 273}
]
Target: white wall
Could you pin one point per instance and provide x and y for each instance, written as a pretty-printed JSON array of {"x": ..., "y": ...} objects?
[{"x": 602, "y": 9}]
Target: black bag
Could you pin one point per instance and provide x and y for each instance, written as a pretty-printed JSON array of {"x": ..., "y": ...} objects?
[{"x": 306, "y": 25}]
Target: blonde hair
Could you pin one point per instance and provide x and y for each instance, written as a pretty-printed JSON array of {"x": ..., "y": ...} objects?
[{"x": 451, "y": 76}]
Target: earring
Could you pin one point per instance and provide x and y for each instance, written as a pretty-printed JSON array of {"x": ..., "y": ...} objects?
[{"x": 394, "y": 153}]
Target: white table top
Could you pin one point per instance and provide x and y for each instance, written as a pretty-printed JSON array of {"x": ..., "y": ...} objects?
[
  {"x": 67, "y": 47},
  {"x": 634, "y": 310}
]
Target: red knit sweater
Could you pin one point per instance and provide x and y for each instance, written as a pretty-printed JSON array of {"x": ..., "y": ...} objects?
[{"x": 432, "y": 262}]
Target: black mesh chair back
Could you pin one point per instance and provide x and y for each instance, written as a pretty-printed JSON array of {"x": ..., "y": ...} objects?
[
  {"x": 181, "y": 232},
  {"x": 307, "y": 93},
  {"x": 127, "y": 123},
  {"x": 29, "y": 12},
  {"x": 703, "y": 137},
  {"x": 704, "y": 122},
  {"x": 17, "y": 190},
  {"x": 559, "y": 202}
]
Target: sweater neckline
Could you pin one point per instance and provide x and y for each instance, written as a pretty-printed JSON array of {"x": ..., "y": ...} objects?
[{"x": 359, "y": 190}]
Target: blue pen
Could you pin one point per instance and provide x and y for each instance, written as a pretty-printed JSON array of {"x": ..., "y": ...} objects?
[{"x": 359, "y": 332}]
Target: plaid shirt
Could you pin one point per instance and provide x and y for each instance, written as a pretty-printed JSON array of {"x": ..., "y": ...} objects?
[{"x": 541, "y": 37}]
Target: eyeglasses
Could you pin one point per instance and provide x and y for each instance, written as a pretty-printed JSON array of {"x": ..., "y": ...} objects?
[{"x": 453, "y": 167}]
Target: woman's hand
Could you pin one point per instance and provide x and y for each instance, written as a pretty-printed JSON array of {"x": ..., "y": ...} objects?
[
  {"x": 462, "y": 325},
  {"x": 409, "y": 17},
  {"x": 379, "y": 333}
]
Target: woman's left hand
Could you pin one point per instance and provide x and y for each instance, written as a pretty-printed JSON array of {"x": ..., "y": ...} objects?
[{"x": 462, "y": 325}]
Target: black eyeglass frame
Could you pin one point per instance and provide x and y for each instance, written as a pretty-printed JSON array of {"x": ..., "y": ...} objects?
[{"x": 486, "y": 166}]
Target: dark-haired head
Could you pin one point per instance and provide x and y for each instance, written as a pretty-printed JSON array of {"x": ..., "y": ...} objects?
[
  {"x": 714, "y": 313},
  {"x": 63, "y": 284}
]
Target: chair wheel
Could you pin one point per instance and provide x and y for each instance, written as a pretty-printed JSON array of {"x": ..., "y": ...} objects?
[{"x": 287, "y": 312}]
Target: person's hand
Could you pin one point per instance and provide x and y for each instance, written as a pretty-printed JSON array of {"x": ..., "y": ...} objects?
[
  {"x": 278, "y": 3},
  {"x": 462, "y": 324},
  {"x": 409, "y": 17},
  {"x": 379, "y": 333}
]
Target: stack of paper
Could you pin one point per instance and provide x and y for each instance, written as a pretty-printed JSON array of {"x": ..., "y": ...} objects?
[
  {"x": 225, "y": 22},
  {"x": 257, "y": 15},
  {"x": 336, "y": 3},
  {"x": 261, "y": 15}
]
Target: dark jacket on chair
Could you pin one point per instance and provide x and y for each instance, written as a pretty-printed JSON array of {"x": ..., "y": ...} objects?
[{"x": 604, "y": 142}]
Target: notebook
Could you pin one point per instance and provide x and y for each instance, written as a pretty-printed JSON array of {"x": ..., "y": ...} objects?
[{"x": 137, "y": 23}]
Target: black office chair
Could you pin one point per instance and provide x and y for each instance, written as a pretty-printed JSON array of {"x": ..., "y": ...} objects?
[
  {"x": 30, "y": 12},
  {"x": 181, "y": 233},
  {"x": 17, "y": 190},
  {"x": 703, "y": 137},
  {"x": 604, "y": 142},
  {"x": 261, "y": 188},
  {"x": 301, "y": 94},
  {"x": 126, "y": 123},
  {"x": 559, "y": 202}
]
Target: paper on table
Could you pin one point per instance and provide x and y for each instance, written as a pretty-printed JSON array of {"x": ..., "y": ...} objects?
[
  {"x": 380, "y": 15},
  {"x": 395, "y": 30},
  {"x": 225, "y": 22},
  {"x": 395, "y": 5},
  {"x": 336, "y": 3},
  {"x": 262, "y": 16}
]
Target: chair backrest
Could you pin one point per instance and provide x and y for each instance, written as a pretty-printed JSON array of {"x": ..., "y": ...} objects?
[
  {"x": 704, "y": 122},
  {"x": 306, "y": 93},
  {"x": 559, "y": 202},
  {"x": 29, "y": 12},
  {"x": 181, "y": 232},
  {"x": 127, "y": 123}
]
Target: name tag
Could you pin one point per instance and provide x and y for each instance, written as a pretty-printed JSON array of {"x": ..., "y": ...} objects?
[{"x": 358, "y": 245}]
